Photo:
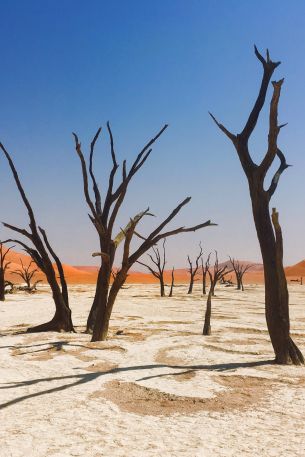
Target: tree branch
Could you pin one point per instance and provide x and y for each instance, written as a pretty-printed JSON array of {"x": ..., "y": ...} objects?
[
  {"x": 269, "y": 68},
  {"x": 32, "y": 252},
  {"x": 21, "y": 190},
  {"x": 98, "y": 200},
  {"x": 85, "y": 177},
  {"x": 19, "y": 230},
  {"x": 274, "y": 129},
  {"x": 224, "y": 129},
  {"x": 275, "y": 180},
  {"x": 64, "y": 287}
]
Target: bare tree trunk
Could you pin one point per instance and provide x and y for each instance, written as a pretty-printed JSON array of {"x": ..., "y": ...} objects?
[
  {"x": 62, "y": 319},
  {"x": 204, "y": 283},
  {"x": 101, "y": 326},
  {"x": 270, "y": 238},
  {"x": 2, "y": 285},
  {"x": 93, "y": 310},
  {"x": 194, "y": 268},
  {"x": 207, "y": 319},
  {"x": 190, "y": 290},
  {"x": 172, "y": 283},
  {"x": 159, "y": 260},
  {"x": 276, "y": 291},
  {"x": 238, "y": 280},
  {"x": 162, "y": 288}
]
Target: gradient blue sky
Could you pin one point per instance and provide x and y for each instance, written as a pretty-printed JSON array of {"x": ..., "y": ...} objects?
[{"x": 71, "y": 65}]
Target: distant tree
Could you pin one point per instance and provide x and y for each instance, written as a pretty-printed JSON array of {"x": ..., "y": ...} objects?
[
  {"x": 12, "y": 287},
  {"x": 239, "y": 270},
  {"x": 268, "y": 228},
  {"x": 172, "y": 283},
  {"x": 4, "y": 265},
  {"x": 27, "y": 274},
  {"x": 103, "y": 216},
  {"x": 193, "y": 269},
  {"x": 159, "y": 260},
  {"x": 62, "y": 320},
  {"x": 205, "y": 268},
  {"x": 216, "y": 275}
]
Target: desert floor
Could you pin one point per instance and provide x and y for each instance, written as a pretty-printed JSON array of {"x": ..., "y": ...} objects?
[{"x": 158, "y": 388}]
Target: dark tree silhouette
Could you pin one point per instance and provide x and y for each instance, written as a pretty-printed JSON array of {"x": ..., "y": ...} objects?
[
  {"x": 4, "y": 265},
  {"x": 103, "y": 216},
  {"x": 114, "y": 272},
  {"x": 204, "y": 269},
  {"x": 12, "y": 287},
  {"x": 268, "y": 230},
  {"x": 172, "y": 283},
  {"x": 62, "y": 320},
  {"x": 193, "y": 269},
  {"x": 27, "y": 274},
  {"x": 216, "y": 275},
  {"x": 159, "y": 260},
  {"x": 239, "y": 270}
]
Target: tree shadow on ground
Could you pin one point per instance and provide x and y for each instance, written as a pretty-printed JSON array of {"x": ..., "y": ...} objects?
[
  {"x": 58, "y": 345},
  {"x": 83, "y": 378}
]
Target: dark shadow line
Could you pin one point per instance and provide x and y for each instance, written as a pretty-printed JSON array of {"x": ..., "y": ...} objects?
[{"x": 87, "y": 377}]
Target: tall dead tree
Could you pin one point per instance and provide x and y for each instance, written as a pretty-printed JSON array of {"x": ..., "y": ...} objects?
[
  {"x": 193, "y": 269},
  {"x": 62, "y": 320},
  {"x": 159, "y": 260},
  {"x": 239, "y": 270},
  {"x": 103, "y": 215},
  {"x": 172, "y": 283},
  {"x": 27, "y": 273},
  {"x": 4, "y": 265},
  {"x": 216, "y": 275},
  {"x": 204, "y": 269},
  {"x": 269, "y": 234}
]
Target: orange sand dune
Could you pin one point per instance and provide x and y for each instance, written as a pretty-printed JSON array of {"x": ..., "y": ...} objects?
[
  {"x": 296, "y": 270},
  {"x": 73, "y": 275},
  {"x": 88, "y": 274}
]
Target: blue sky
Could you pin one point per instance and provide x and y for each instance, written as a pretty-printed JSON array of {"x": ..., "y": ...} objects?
[{"x": 72, "y": 65}]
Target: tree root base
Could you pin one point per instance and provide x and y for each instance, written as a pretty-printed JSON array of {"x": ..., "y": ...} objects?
[
  {"x": 206, "y": 331},
  {"x": 292, "y": 356},
  {"x": 52, "y": 326}
]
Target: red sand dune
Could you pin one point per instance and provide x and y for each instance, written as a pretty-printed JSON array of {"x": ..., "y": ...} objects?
[
  {"x": 88, "y": 274},
  {"x": 296, "y": 271}
]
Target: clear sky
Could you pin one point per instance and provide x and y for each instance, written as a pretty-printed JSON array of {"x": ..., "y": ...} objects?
[{"x": 70, "y": 65}]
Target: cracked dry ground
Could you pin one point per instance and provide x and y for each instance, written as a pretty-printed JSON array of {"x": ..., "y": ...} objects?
[{"x": 158, "y": 387}]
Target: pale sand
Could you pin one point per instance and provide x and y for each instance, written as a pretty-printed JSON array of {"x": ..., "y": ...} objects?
[{"x": 158, "y": 389}]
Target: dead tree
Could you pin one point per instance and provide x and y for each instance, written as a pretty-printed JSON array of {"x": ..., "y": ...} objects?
[
  {"x": 204, "y": 270},
  {"x": 103, "y": 216},
  {"x": 4, "y": 265},
  {"x": 62, "y": 320},
  {"x": 27, "y": 274},
  {"x": 12, "y": 287},
  {"x": 239, "y": 270},
  {"x": 159, "y": 260},
  {"x": 172, "y": 283},
  {"x": 216, "y": 275},
  {"x": 268, "y": 230},
  {"x": 193, "y": 269}
]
